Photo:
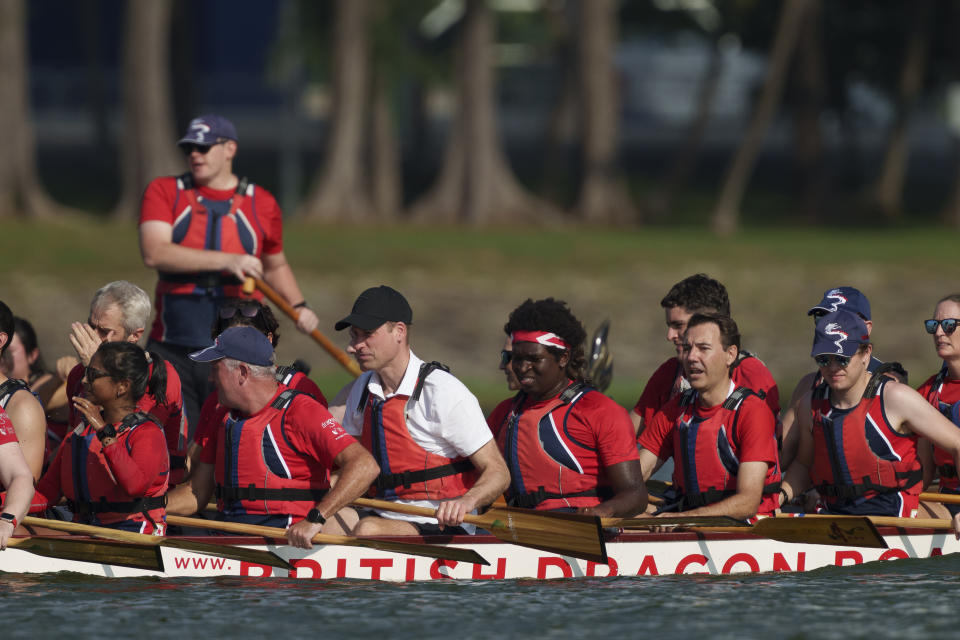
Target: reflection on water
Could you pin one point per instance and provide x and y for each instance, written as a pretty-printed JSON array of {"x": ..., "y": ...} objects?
[{"x": 887, "y": 600}]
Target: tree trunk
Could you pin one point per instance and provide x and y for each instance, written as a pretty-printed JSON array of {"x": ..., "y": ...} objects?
[
  {"x": 604, "y": 197},
  {"x": 147, "y": 149},
  {"x": 339, "y": 193},
  {"x": 660, "y": 204},
  {"x": 888, "y": 191},
  {"x": 20, "y": 188},
  {"x": 385, "y": 160},
  {"x": 809, "y": 138},
  {"x": 564, "y": 125},
  {"x": 726, "y": 215},
  {"x": 476, "y": 184}
]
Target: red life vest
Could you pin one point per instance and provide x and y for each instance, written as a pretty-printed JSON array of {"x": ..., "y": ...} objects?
[
  {"x": 857, "y": 454},
  {"x": 251, "y": 474},
  {"x": 950, "y": 408},
  {"x": 89, "y": 486},
  {"x": 407, "y": 470},
  {"x": 545, "y": 472},
  {"x": 706, "y": 464},
  {"x": 198, "y": 227}
]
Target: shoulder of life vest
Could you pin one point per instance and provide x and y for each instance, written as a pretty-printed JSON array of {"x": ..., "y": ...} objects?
[
  {"x": 185, "y": 181},
  {"x": 9, "y": 387},
  {"x": 425, "y": 369},
  {"x": 135, "y": 419},
  {"x": 283, "y": 400}
]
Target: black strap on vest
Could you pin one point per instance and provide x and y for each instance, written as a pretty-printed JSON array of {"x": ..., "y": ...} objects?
[
  {"x": 858, "y": 489},
  {"x": 253, "y": 492},
  {"x": 883, "y": 371},
  {"x": 947, "y": 471},
  {"x": 10, "y": 387},
  {"x": 140, "y": 505},
  {"x": 531, "y": 499},
  {"x": 407, "y": 479},
  {"x": 425, "y": 369}
]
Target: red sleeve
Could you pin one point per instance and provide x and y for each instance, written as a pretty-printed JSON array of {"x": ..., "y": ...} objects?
[
  {"x": 159, "y": 200},
  {"x": 7, "y": 434},
  {"x": 657, "y": 438},
  {"x": 753, "y": 374},
  {"x": 302, "y": 382},
  {"x": 48, "y": 488},
  {"x": 313, "y": 432},
  {"x": 205, "y": 436},
  {"x": 271, "y": 219},
  {"x": 755, "y": 437},
  {"x": 175, "y": 426},
  {"x": 613, "y": 431},
  {"x": 498, "y": 416},
  {"x": 74, "y": 388},
  {"x": 140, "y": 460},
  {"x": 658, "y": 390}
]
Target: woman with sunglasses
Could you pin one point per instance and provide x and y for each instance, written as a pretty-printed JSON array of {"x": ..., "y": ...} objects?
[
  {"x": 247, "y": 313},
  {"x": 859, "y": 432},
  {"x": 942, "y": 390},
  {"x": 114, "y": 468}
]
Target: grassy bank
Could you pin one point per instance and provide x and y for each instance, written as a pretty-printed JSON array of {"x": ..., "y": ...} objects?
[{"x": 463, "y": 283}]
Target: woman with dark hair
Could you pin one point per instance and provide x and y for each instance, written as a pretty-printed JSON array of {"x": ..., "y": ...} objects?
[
  {"x": 122, "y": 452},
  {"x": 247, "y": 313},
  {"x": 568, "y": 446},
  {"x": 16, "y": 398}
]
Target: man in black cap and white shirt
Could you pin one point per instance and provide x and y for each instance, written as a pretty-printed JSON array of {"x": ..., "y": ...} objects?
[
  {"x": 204, "y": 232},
  {"x": 422, "y": 425}
]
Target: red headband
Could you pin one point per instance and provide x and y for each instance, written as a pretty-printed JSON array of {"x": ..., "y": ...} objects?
[{"x": 545, "y": 338}]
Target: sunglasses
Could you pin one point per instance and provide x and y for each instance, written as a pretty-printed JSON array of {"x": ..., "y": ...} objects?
[
  {"x": 949, "y": 325},
  {"x": 90, "y": 374},
  {"x": 203, "y": 149},
  {"x": 824, "y": 360},
  {"x": 246, "y": 309},
  {"x": 505, "y": 357}
]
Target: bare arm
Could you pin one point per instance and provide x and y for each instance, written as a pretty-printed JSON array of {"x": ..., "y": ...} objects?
[
  {"x": 649, "y": 463},
  {"x": 637, "y": 421},
  {"x": 160, "y": 252},
  {"x": 30, "y": 424},
  {"x": 796, "y": 479},
  {"x": 357, "y": 470},
  {"x": 629, "y": 492},
  {"x": 493, "y": 480},
  {"x": 193, "y": 495},
  {"x": 788, "y": 417},
  {"x": 15, "y": 476},
  {"x": 744, "y": 503},
  {"x": 279, "y": 275}
]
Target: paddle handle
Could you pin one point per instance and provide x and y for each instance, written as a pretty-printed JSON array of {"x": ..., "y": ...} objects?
[
  {"x": 251, "y": 529},
  {"x": 412, "y": 510},
  {"x": 947, "y": 498},
  {"x": 338, "y": 354},
  {"x": 891, "y": 521}
]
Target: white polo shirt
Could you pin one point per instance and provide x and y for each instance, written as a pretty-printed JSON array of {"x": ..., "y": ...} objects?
[{"x": 446, "y": 420}]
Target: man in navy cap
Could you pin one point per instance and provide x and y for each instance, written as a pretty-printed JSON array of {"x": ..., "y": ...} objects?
[
  {"x": 858, "y": 431},
  {"x": 848, "y": 299},
  {"x": 204, "y": 232},
  {"x": 423, "y": 426},
  {"x": 269, "y": 461}
]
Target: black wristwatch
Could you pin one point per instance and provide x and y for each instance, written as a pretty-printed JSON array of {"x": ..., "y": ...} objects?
[
  {"x": 107, "y": 432},
  {"x": 315, "y": 516},
  {"x": 9, "y": 517}
]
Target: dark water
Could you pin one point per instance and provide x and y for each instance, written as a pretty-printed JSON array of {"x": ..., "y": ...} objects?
[{"x": 899, "y": 599}]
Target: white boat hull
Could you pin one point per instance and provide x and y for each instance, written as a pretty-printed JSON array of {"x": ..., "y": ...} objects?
[{"x": 635, "y": 554}]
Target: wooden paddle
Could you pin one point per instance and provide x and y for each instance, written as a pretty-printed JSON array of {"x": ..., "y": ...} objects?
[
  {"x": 338, "y": 354},
  {"x": 946, "y": 498},
  {"x": 684, "y": 521},
  {"x": 138, "y": 556},
  {"x": 206, "y": 548},
  {"x": 568, "y": 534},
  {"x": 428, "y": 550},
  {"x": 902, "y": 523}
]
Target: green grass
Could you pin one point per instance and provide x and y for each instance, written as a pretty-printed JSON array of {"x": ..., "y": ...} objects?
[{"x": 462, "y": 284}]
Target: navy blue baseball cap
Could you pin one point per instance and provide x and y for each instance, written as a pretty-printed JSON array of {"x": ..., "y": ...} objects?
[
  {"x": 245, "y": 344},
  {"x": 209, "y": 130},
  {"x": 376, "y": 306},
  {"x": 839, "y": 333},
  {"x": 847, "y": 298}
]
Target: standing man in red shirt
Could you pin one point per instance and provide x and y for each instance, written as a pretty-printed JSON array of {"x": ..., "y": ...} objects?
[
  {"x": 204, "y": 232},
  {"x": 720, "y": 435},
  {"x": 697, "y": 294},
  {"x": 568, "y": 446}
]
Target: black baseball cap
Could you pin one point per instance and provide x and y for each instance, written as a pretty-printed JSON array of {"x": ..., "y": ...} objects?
[{"x": 375, "y": 306}]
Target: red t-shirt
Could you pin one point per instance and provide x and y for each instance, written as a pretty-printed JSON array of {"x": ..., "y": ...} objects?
[
  {"x": 596, "y": 422},
  {"x": 212, "y": 412},
  {"x": 666, "y": 383},
  {"x": 169, "y": 415},
  {"x": 311, "y": 434},
  {"x": 7, "y": 434}
]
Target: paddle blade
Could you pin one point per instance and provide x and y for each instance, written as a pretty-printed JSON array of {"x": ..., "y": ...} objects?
[
  {"x": 95, "y": 551},
  {"x": 578, "y": 536},
  {"x": 256, "y": 556},
  {"x": 426, "y": 550},
  {"x": 846, "y": 531}
]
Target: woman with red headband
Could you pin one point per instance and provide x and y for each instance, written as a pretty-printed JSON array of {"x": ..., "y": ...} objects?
[{"x": 568, "y": 446}]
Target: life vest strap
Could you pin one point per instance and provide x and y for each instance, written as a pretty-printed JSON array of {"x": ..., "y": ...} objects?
[
  {"x": 712, "y": 495},
  {"x": 407, "y": 479},
  {"x": 140, "y": 505},
  {"x": 205, "y": 279},
  {"x": 531, "y": 499},
  {"x": 947, "y": 471},
  {"x": 858, "y": 489},
  {"x": 253, "y": 492}
]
